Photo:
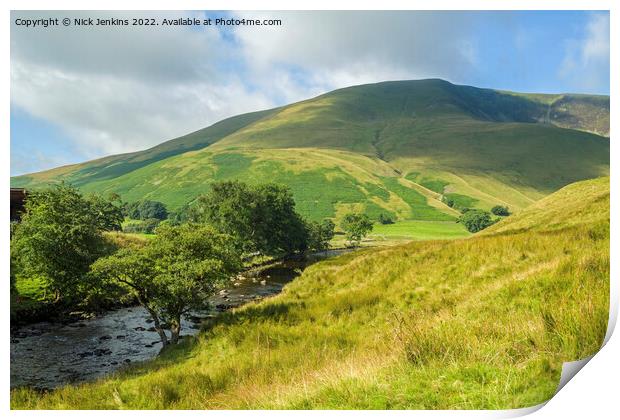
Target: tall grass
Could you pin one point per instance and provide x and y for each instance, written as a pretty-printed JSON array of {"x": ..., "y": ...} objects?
[{"x": 484, "y": 322}]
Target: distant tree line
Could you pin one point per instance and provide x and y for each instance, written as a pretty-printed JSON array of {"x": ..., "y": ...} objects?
[{"x": 144, "y": 215}]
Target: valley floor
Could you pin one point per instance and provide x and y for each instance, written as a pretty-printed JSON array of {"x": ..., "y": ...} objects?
[{"x": 483, "y": 322}]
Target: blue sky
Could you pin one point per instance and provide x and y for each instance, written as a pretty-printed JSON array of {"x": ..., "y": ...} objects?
[{"x": 78, "y": 94}]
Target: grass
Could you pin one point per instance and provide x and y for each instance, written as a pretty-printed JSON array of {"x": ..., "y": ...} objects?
[
  {"x": 419, "y": 230},
  {"x": 479, "y": 323},
  {"x": 352, "y": 146}
]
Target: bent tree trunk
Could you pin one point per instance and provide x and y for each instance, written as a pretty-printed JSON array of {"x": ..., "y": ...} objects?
[
  {"x": 156, "y": 323},
  {"x": 158, "y": 327}
]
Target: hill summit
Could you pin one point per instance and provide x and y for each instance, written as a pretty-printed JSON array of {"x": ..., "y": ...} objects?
[{"x": 408, "y": 149}]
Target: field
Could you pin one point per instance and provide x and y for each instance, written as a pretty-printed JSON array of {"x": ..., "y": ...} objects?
[
  {"x": 483, "y": 322},
  {"x": 419, "y": 230}
]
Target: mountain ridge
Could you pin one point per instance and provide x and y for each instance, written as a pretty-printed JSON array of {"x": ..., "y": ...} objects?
[{"x": 477, "y": 147}]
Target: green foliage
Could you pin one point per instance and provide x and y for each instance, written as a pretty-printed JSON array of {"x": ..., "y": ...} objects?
[
  {"x": 107, "y": 211},
  {"x": 385, "y": 220},
  {"x": 60, "y": 236},
  {"x": 146, "y": 209},
  {"x": 173, "y": 273},
  {"x": 356, "y": 226},
  {"x": 479, "y": 323},
  {"x": 320, "y": 234},
  {"x": 260, "y": 218},
  {"x": 500, "y": 211},
  {"x": 476, "y": 220}
]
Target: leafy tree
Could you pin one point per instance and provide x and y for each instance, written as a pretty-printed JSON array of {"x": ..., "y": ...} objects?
[
  {"x": 146, "y": 209},
  {"x": 448, "y": 201},
  {"x": 153, "y": 210},
  {"x": 175, "y": 272},
  {"x": 261, "y": 218},
  {"x": 107, "y": 211},
  {"x": 475, "y": 220},
  {"x": 60, "y": 236},
  {"x": 319, "y": 234},
  {"x": 500, "y": 211},
  {"x": 356, "y": 226},
  {"x": 385, "y": 220}
]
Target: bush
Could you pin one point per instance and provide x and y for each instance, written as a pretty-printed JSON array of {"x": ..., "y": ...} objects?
[
  {"x": 447, "y": 201},
  {"x": 500, "y": 211},
  {"x": 385, "y": 220},
  {"x": 476, "y": 220}
]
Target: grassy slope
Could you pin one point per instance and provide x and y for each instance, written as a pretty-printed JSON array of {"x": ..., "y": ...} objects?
[
  {"x": 365, "y": 143},
  {"x": 114, "y": 166},
  {"x": 324, "y": 182},
  {"x": 483, "y": 322}
]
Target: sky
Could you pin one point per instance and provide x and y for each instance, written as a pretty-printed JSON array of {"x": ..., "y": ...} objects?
[{"x": 78, "y": 93}]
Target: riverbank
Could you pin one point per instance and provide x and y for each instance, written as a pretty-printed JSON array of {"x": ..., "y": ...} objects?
[
  {"x": 28, "y": 307},
  {"x": 45, "y": 355},
  {"x": 479, "y": 323}
]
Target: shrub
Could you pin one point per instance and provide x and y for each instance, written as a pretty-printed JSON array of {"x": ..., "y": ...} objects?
[
  {"x": 500, "y": 211},
  {"x": 476, "y": 220},
  {"x": 385, "y": 220}
]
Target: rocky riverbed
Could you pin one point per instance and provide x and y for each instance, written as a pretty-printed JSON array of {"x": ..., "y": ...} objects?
[{"x": 47, "y": 355}]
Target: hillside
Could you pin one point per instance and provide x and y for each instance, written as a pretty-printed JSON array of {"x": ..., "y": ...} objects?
[
  {"x": 478, "y": 323},
  {"x": 394, "y": 147}
]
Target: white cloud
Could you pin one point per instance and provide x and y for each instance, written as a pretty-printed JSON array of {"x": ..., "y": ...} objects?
[
  {"x": 586, "y": 60},
  {"x": 363, "y": 46},
  {"x": 125, "y": 89},
  {"x": 121, "y": 89}
]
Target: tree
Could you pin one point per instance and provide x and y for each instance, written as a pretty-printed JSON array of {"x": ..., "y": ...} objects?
[
  {"x": 500, "y": 211},
  {"x": 175, "y": 272},
  {"x": 356, "y": 226},
  {"x": 60, "y": 236},
  {"x": 108, "y": 211},
  {"x": 475, "y": 220},
  {"x": 146, "y": 209},
  {"x": 261, "y": 218},
  {"x": 385, "y": 220},
  {"x": 319, "y": 234}
]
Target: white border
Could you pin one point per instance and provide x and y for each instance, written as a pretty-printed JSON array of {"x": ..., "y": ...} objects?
[{"x": 594, "y": 393}]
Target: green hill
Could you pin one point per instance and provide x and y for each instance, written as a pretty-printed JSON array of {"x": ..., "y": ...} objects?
[
  {"x": 479, "y": 323},
  {"x": 396, "y": 148}
]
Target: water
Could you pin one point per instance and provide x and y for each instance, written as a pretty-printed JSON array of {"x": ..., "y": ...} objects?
[{"x": 46, "y": 355}]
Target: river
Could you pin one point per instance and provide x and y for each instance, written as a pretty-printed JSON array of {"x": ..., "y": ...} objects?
[{"x": 47, "y": 355}]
